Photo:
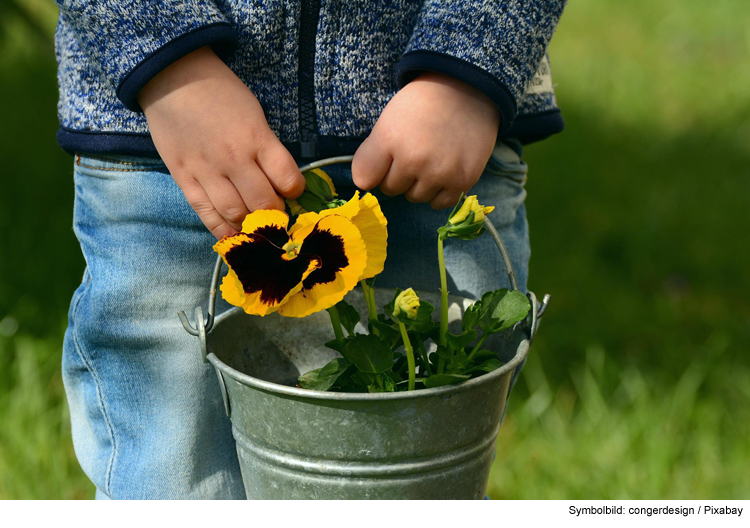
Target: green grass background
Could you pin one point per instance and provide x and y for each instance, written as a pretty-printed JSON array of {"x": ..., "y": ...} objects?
[{"x": 638, "y": 385}]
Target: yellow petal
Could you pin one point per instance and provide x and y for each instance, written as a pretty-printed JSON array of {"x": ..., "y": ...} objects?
[
  {"x": 322, "y": 295},
  {"x": 367, "y": 215},
  {"x": 372, "y": 225},
  {"x": 231, "y": 289},
  {"x": 264, "y": 217},
  {"x": 348, "y": 210},
  {"x": 467, "y": 207}
]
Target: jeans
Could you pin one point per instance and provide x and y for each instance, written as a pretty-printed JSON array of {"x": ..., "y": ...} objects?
[{"x": 147, "y": 414}]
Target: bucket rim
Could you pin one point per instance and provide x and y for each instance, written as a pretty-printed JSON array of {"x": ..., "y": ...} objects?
[{"x": 522, "y": 351}]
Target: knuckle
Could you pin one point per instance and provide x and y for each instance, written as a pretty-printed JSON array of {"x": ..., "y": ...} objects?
[
  {"x": 291, "y": 183},
  {"x": 266, "y": 203},
  {"x": 200, "y": 205},
  {"x": 234, "y": 213}
]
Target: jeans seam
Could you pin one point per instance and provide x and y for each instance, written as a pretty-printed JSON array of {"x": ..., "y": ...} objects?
[
  {"x": 141, "y": 167},
  {"x": 98, "y": 384}
]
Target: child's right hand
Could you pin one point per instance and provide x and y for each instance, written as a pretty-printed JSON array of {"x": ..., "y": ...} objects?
[{"x": 211, "y": 132}]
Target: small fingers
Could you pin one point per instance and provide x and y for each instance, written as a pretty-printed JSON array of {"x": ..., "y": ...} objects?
[
  {"x": 445, "y": 198},
  {"x": 421, "y": 192},
  {"x": 399, "y": 179},
  {"x": 256, "y": 190},
  {"x": 280, "y": 169},
  {"x": 204, "y": 208},
  {"x": 370, "y": 164},
  {"x": 226, "y": 199}
]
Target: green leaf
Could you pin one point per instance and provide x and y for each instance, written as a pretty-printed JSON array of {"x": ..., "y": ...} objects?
[
  {"x": 362, "y": 379},
  {"x": 439, "y": 380},
  {"x": 368, "y": 353},
  {"x": 443, "y": 352},
  {"x": 457, "y": 363},
  {"x": 335, "y": 344},
  {"x": 400, "y": 363},
  {"x": 461, "y": 341},
  {"x": 387, "y": 333},
  {"x": 317, "y": 186},
  {"x": 483, "y": 355},
  {"x": 471, "y": 316},
  {"x": 502, "y": 309},
  {"x": 323, "y": 378},
  {"x": 423, "y": 322},
  {"x": 311, "y": 203},
  {"x": 348, "y": 315},
  {"x": 394, "y": 376},
  {"x": 386, "y": 383},
  {"x": 488, "y": 366},
  {"x": 388, "y": 308}
]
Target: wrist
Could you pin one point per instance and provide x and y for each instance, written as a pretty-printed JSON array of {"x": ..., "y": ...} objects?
[
  {"x": 195, "y": 66},
  {"x": 464, "y": 91}
]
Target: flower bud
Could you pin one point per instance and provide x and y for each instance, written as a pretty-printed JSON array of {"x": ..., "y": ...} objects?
[
  {"x": 467, "y": 222},
  {"x": 407, "y": 303},
  {"x": 470, "y": 205}
]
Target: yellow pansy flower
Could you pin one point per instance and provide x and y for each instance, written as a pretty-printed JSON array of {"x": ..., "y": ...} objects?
[{"x": 297, "y": 272}]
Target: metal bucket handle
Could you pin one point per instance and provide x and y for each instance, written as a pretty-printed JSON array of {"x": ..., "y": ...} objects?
[{"x": 531, "y": 323}]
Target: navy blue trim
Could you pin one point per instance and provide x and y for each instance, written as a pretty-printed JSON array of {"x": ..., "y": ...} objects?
[
  {"x": 137, "y": 144},
  {"x": 527, "y": 128},
  {"x": 221, "y": 36},
  {"x": 416, "y": 62},
  {"x": 131, "y": 143},
  {"x": 535, "y": 127}
]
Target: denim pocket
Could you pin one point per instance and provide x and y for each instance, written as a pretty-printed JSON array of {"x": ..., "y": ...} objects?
[{"x": 118, "y": 163}]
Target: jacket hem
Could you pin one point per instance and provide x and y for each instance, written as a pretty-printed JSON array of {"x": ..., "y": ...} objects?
[
  {"x": 141, "y": 144},
  {"x": 221, "y": 36},
  {"x": 415, "y": 62}
]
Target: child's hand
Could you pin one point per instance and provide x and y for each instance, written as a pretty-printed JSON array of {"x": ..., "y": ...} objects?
[
  {"x": 432, "y": 142},
  {"x": 212, "y": 134}
]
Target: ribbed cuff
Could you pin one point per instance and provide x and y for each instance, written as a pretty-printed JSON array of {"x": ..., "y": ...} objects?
[
  {"x": 220, "y": 36},
  {"x": 415, "y": 62},
  {"x": 536, "y": 127}
]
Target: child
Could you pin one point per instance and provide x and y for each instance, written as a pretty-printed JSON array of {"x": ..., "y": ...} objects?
[{"x": 186, "y": 115}]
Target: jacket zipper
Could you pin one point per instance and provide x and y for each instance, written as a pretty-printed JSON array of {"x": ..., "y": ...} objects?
[{"x": 308, "y": 125}]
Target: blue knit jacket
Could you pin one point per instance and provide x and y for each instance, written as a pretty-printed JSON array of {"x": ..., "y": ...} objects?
[{"x": 323, "y": 70}]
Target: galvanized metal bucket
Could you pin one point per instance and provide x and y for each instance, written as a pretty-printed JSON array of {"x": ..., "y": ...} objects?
[{"x": 301, "y": 444}]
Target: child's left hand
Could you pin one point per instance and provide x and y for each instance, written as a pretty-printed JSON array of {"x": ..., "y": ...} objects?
[{"x": 431, "y": 142}]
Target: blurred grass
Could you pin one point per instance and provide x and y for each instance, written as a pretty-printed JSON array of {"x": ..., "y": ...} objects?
[{"x": 638, "y": 385}]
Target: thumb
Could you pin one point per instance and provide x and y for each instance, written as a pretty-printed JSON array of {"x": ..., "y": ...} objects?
[{"x": 370, "y": 164}]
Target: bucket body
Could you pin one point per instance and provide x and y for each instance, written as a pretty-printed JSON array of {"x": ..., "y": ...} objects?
[{"x": 299, "y": 444}]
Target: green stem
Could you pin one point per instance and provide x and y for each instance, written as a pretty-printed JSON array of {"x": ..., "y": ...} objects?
[
  {"x": 443, "y": 303},
  {"x": 372, "y": 310},
  {"x": 423, "y": 353},
  {"x": 409, "y": 355},
  {"x": 336, "y": 323},
  {"x": 478, "y": 345}
]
